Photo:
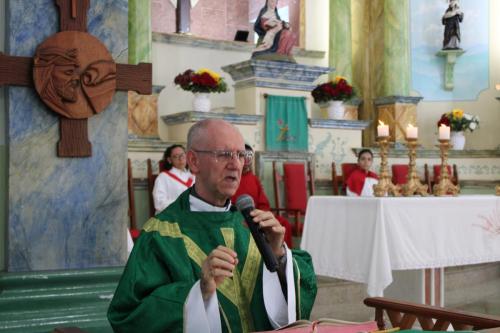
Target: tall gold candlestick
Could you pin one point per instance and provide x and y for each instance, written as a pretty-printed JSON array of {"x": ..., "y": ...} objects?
[
  {"x": 385, "y": 185},
  {"x": 445, "y": 186},
  {"x": 413, "y": 184}
]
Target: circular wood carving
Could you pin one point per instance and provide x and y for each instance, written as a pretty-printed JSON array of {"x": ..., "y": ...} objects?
[{"x": 74, "y": 74}]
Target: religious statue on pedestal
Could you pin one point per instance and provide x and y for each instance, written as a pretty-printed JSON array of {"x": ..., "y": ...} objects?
[
  {"x": 276, "y": 39},
  {"x": 451, "y": 21}
]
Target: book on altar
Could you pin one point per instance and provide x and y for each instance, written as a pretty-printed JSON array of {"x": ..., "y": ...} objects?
[{"x": 326, "y": 325}]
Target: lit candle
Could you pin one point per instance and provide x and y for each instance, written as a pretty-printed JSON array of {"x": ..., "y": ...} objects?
[
  {"x": 497, "y": 86},
  {"x": 382, "y": 129},
  {"x": 444, "y": 132},
  {"x": 411, "y": 132}
]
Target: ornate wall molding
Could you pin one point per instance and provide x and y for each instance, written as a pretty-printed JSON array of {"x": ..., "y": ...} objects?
[
  {"x": 339, "y": 124},
  {"x": 194, "y": 116},
  {"x": 223, "y": 45}
]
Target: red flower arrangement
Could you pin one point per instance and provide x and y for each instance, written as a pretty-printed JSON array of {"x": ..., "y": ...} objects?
[
  {"x": 337, "y": 90},
  {"x": 458, "y": 121},
  {"x": 202, "y": 81}
]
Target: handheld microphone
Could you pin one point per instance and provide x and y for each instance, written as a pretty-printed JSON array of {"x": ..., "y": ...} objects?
[{"x": 245, "y": 205}]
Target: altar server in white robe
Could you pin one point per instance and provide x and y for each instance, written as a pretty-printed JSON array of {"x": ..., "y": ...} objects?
[
  {"x": 361, "y": 180},
  {"x": 173, "y": 180}
]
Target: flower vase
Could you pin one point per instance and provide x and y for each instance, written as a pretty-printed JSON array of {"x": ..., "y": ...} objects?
[
  {"x": 336, "y": 110},
  {"x": 201, "y": 102},
  {"x": 457, "y": 139}
]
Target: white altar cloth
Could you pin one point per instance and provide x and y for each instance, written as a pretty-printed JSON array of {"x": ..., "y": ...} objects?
[{"x": 364, "y": 239}]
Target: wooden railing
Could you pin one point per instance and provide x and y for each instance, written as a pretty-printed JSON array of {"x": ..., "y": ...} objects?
[{"x": 431, "y": 318}]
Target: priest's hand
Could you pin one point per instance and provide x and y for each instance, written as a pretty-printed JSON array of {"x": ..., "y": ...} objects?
[
  {"x": 219, "y": 265},
  {"x": 275, "y": 232}
]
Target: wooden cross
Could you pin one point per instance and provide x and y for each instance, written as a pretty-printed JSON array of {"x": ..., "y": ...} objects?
[
  {"x": 82, "y": 76},
  {"x": 183, "y": 16}
]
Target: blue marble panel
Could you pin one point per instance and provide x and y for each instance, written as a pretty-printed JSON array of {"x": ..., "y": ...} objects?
[
  {"x": 471, "y": 69},
  {"x": 65, "y": 213}
]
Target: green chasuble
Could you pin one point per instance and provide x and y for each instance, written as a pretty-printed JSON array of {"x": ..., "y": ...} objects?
[{"x": 166, "y": 262}]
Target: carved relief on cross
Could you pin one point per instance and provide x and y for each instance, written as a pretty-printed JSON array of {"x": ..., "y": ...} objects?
[{"x": 75, "y": 76}]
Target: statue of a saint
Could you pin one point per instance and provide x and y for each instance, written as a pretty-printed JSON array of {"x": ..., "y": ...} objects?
[
  {"x": 276, "y": 39},
  {"x": 451, "y": 21}
]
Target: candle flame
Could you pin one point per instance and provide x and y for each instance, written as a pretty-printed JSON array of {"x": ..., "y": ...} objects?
[
  {"x": 381, "y": 123},
  {"x": 410, "y": 126}
]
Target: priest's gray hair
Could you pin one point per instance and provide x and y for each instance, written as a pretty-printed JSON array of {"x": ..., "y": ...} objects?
[{"x": 198, "y": 133}]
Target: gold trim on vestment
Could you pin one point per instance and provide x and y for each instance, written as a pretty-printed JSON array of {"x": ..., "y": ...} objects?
[
  {"x": 251, "y": 268},
  {"x": 196, "y": 254},
  {"x": 242, "y": 299}
]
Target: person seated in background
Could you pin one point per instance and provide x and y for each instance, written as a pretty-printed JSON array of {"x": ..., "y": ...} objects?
[
  {"x": 361, "y": 180},
  {"x": 251, "y": 185},
  {"x": 174, "y": 179}
]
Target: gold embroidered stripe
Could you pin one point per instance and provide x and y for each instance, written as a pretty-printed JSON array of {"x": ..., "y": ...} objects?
[
  {"x": 243, "y": 303},
  {"x": 168, "y": 229},
  {"x": 163, "y": 228},
  {"x": 251, "y": 269}
]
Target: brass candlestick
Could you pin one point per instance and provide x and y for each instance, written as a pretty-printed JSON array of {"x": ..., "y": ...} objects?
[
  {"x": 445, "y": 186},
  {"x": 497, "y": 190},
  {"x": 385, "y": 184},
  {"x": 413, "y": 184}
]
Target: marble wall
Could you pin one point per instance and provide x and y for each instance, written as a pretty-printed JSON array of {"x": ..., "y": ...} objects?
[
  {"x": 3, "y": 148},
  {"x": 65, "y": 213}
]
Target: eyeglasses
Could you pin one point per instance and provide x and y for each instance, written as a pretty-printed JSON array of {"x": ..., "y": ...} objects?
[
  {"x": 178, "y": 157},
  {"x": 225, "y": 156}
]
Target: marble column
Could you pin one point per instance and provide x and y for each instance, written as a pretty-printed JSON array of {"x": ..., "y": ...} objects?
[
  {"x": 340, "y": 55},
  {"x": 367, "y": 35},
  {"x": 139, "y": 31},
  {"x": 393, "y": 103},
  {"x": 142, "y": 109},
  {"x": 3, "y": 149},
  {"x": 396, "y": 77}
]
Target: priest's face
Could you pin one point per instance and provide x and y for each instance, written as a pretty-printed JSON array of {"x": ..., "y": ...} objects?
[{"x": 216, "y": 163}]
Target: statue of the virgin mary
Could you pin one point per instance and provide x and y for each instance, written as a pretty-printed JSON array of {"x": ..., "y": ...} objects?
[{"x": 276, "y": 39}]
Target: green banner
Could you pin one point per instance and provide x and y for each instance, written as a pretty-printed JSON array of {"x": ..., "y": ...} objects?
[{"x": 286, "y": 124}]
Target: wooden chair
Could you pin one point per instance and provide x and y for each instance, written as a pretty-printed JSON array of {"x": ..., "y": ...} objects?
[
  {"x": 400, "y": 175},
  {"x": 134, "y": 232},
  {"x": 431, "y": 318},
  {"x": 151, "y": 184},
  {"x": 338, "y": 181},
  {"x": 297, "y": 182},
  {"x": 452, "y": 172}
]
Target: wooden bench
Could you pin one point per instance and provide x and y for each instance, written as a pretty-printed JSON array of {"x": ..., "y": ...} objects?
[{"x": 431, "y": 318}]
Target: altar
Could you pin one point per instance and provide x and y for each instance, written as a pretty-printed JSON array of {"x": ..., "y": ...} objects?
[{"x": 404, "y": 241}]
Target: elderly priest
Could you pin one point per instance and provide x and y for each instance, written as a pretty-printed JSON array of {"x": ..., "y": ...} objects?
[{"x": 196, "y": 267}]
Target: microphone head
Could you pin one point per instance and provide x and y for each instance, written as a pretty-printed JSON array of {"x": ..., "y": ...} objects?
[{"x": 244, "y": 201}]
